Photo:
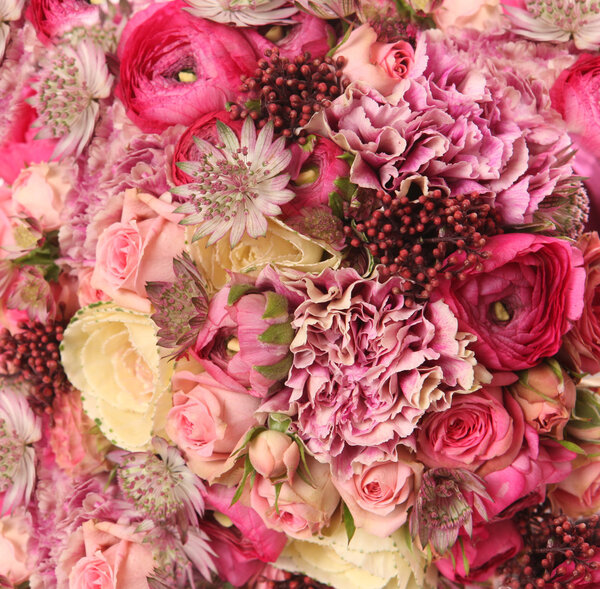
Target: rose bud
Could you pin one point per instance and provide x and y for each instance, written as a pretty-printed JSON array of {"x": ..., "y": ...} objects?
[
  {"x": 546, "y": 395},
  {"x": 274, "y": 454}
]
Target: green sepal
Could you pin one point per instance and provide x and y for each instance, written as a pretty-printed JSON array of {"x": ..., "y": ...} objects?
[
  {"x": 249, "y": 437},
  {"x": 248, "y": 469},
  {"x": 300, "y": 445},
  {"x": 343, "y": 40},
  {"x": 277, "y": 305},
  {"x": 277, "y": 491},
  {"x": 348, "y": 522},
  {"x": 464, "y": 557},
  {"x": 280, "y": 333},
  {"x": 347, "y": 157},
  {"x": 572, "y": 446},
  {"x": 252, "y": 104},
  {"x": 276, "y": 371},
  {"x": 237, "y": 291},
  {"x": 279, "y": 422},
  {"x": 336, "y": 204},
  {"x": 111, "y": 475},
  {"x": 309, "y": 146}
]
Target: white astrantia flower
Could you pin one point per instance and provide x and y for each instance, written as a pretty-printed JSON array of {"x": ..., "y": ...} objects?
[
  {"x": 328, "y": 8},
  {"x": 19, "y": 428},
  {"x": 558, "y": 21},
  {"x": 9, "y": 10},
  {"x": 67, "y": 96},
  {"x": 243, "y": 13},
  {"x": 236, "y": 184}
]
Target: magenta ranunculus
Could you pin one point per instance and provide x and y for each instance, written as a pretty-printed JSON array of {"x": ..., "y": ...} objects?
[
  {"x": 53, "y": 18},
  {"x": 526, "y": 297},
  {"x": 366, "y": 366},
  {"x": 176, "y": 67},
  {"x": 575, "y": 96},
  {"x": 490, "y": 546},
  {"x": 482, "y": 432}
]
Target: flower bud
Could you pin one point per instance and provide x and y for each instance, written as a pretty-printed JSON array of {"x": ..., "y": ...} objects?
[{"x": 274, "y": 454}]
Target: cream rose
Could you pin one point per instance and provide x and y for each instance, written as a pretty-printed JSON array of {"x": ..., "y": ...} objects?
[
  {"x": 366, "y": 562},
  {"x": 111, "y": 355},
  {"x": 281, "y": 246}
]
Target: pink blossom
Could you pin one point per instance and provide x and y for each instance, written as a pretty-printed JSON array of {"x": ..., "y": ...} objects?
[
  {"x": 274, "y": 454},
  {"x": 53, "y": 18}
]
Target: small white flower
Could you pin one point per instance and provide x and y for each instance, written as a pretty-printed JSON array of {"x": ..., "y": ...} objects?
[{"x": 243, "y": 13}]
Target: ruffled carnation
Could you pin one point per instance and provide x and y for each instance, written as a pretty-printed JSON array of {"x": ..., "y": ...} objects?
[{"x": 366, "y": 366}]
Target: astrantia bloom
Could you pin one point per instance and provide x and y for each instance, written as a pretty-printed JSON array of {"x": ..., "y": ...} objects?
[
  {"x": 9, "y": 10},
  {"x": 159, "y": 483},
  {"x": 328, "y": 8},
  {"x": 67, "y": 94},
  {"x": 243, "y": 13},
  {"x": 19, "y": 428},
  {"x": 237, "y": 184},
  {"x": 558, "y": 21}
]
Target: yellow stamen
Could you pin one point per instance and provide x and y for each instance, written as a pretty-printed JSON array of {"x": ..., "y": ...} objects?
[{"x": 500, "y": 312}]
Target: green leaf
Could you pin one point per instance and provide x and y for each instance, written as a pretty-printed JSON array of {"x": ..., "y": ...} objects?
[
  {"x": 279, "y": 422},
  {"x": 347, "y": 157},
  {"x": 572, "y": 446},
  {"x": 343, "y": 40},
  {"x": 276, "y": 371},
  {"x": 464, "y": 557},
  {"x": 248, "y": 468},
  {"x": 348, "y": 522},
  {"x": 277, "y": 491},
  {"x": 237, "y": 291},
  {"x": 252, "y": 104},
  {"x": 280, "y": 333},
  {"x": 336, "y": 204},
  {"x": 277, "y": 305}
]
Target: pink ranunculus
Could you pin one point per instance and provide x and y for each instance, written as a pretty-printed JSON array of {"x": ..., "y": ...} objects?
[
  {"x": 40, "y": 191},
  {"x": 490, "y": 546},
  {"x": 138, "y": 249},
  {"x": 176, "y": 67},
  {"x": 243, "y": 548},
  {"x": 247, "y": 339},
  {"x": 523, "y": 483},
  {"x": 546, "y": 395},
  {"x": 208, "y": 420},
  {"x": 581, "y": 345},
  {"x": 482, "y": 432},
  {"x": 574, "y": 96},
  {"x": 274, "y": 454},
  {"x": 108, "y": 555},
  {"x": 302, "y": 508},
  {"x": 578, "y": 495},
  {"x": 527, "y": 295},
  {"x": 380, "y": 493},
  {"x": 203, "y": 128}
]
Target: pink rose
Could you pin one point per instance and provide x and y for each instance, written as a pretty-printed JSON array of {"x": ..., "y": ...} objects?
[
  {"x": 243, "y": 548},
  {"x": 302, "y": 509},
  {"x": 247, "y": 337},
  {"x": 138, "y": 249},
  {"x": 15, "y": 531},
  {"x": 176, "y": 67},
  {"x": 208, "y": 420},
  {"x": 481, "y": 431},
  {"x": 574, "y": 96},
  {"x": 380, "y": 493},
  {"x": 107, "y": 555},
  {"x": 274, "y": 454},
  {"x": 527, "y": 295},
  {"x": 6, "y": 234},
  {"x": 546, "y": 395},
  {"x": 578, "y": 495},
  {"x": 581, "y": 345},
  {"x": 86, "y": 293},
  {"x": 40, "y": 192},
  {"x": 490, "y": 546},
  {"x": 474, "y": 14}
]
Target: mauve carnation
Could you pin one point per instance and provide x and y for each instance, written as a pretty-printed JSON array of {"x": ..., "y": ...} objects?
[
  {"x": 160, "y": 48},
  {"x": 526, "y": 296},
  {"x": 366, "y": 366},
  {"x": 482, "y": 126}
]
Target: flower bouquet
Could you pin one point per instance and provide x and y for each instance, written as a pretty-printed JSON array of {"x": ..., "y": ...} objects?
[{"x": 299, "y": 294}]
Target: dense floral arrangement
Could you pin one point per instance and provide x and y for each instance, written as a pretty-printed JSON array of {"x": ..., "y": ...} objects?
[{"x": 299, "y": 294}]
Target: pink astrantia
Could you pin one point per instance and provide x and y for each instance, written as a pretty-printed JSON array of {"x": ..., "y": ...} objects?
[{"x": 237, "y": 184}]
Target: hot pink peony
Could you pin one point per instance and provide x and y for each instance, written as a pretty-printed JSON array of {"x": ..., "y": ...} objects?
[
  {"x": 170, "y": 58},
  {"x": 526, "y": 297}
]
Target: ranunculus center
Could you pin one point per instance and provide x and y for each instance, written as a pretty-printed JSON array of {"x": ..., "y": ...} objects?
[
  {"x": 500, "y": 312},
  {"x": 187, "y": 75}
]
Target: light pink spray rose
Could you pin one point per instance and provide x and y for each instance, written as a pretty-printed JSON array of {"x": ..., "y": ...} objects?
[
  {"x": 578, "y": 495},
  {"x": 274, "y": 454},
  {"x": 482, "y": 15},
  {"x": 574, "y": 96},
  {"x": 15, "y": 530},
  {"x": 176, "y": 67},
  {"x": 208, "y": 420},
  {"x": 482, "y": 432},
  {"x": 528, "y": 294},
  {"x": 380, "y": 65},
  {"x": 138, "y": 249},
  {"x": 380, "y": 492},
  {"x": 107, "y": 555},
  {"x": 40, "y": 192},
  {"x": 302, "y": 508},
  {"x": 366, "y": 366},
  {"x": 581, "y": 345},
  {"x": 247, "y": 335},
  {"x": 546, "y": 395}
]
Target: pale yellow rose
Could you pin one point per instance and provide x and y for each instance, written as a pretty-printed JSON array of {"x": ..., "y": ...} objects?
[
  {"x": 367, "y": 562},
  {"x": 111, "y": 355},
  {"x": 281, "y": 246}
]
